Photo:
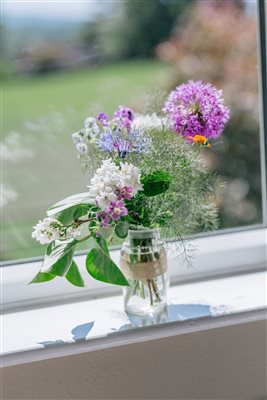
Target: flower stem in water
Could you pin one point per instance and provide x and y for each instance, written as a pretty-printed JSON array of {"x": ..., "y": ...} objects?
[
  {"x": 150, "y": 292},
  {"x": 155, "y": 289}
]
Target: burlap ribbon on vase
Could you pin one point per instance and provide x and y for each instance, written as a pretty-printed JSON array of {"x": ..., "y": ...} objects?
[{"x": 144, "y": 270}]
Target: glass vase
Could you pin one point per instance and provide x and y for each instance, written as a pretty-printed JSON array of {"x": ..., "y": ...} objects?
[{"x": 143, "y": 261}]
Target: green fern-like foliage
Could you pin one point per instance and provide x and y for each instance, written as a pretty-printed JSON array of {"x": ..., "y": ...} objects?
[{"x": 188, "y": 205}]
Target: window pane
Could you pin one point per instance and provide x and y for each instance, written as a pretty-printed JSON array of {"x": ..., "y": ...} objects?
[{"x": 66, "y": 61}]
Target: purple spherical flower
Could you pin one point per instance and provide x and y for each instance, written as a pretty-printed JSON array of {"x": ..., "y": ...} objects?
[
  {"x": 124, "y": 112},
  {"x": 116, "y": 209},
  {"x": 196, "y": 108},
  {"x": 103, "y": 119}
]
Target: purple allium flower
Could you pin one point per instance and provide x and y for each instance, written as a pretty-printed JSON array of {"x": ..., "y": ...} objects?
[
  {"x": 124, "y": 112},
  {"x": 196, "y": 108},
  {"x": 125, "y": 193},
  {"x": 103, "y": 119},
  {"x": 116, "y": 209}
]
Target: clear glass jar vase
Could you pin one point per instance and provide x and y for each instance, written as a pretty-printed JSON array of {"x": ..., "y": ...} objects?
[{"x": 143, "y": 261}]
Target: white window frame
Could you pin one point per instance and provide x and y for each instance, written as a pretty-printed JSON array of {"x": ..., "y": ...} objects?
[
  {"x": 216, "y": 256},
  {"x": 238, "y": 250}
]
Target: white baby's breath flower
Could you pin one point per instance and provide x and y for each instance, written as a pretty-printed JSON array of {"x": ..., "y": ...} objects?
[
  {"x": 85, "y": 133},
  {"x": 90, "y": 133},
  {"x": 47, "y": 230},
  {"x": 150, "y": 121},
  {"x": 82, "y": 148},
  {"x": 89, "y": 122},
  {"x": 92, "y": 127},
  {"x": 94, "y": 131},
  {"x": 76, "y": 138}
]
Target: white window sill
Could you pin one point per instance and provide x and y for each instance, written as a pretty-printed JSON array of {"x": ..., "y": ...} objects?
[
  {"x": 66, "y": 329},
  {"x": 217, "y": 255}
]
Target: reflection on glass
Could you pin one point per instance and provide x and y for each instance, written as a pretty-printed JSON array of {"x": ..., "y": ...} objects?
[
  {"x": 172, "y": 313},
  {"x": 63, "y": 62}
]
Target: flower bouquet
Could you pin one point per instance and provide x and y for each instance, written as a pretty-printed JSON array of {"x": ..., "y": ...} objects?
[{"x": 149, "y": 179}]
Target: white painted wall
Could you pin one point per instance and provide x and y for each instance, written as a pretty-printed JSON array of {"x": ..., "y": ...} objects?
[{"x": 222, "y": 363}]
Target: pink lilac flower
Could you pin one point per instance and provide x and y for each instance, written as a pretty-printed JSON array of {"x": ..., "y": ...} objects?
[
  {"x": 124, "y": 112},
  {"x": 196, "y": 108},
  {"x": 104, "y": 219},
  {"x": 103, "y": 119},
  {"x": 125, "y": 193},
  {"x": 116, "y": 210}
]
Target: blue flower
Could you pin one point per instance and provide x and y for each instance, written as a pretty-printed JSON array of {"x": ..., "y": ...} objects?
[{"x": 124, "y": 143}]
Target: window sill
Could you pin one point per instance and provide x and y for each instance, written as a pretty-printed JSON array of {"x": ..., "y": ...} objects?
[
  {"x": 66, "y": 329},
  {"x": 216, "y": 255}
]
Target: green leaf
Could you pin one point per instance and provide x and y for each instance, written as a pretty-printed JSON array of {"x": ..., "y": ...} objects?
[
  {"x": 156, "y": 183},
  {"x": 68, "y": 215},
  {"x": 80, "y": 198},
  {"x": 60, "y": 267},
  {"x": 121, "y": 229},
  {"x": 42, "y": 277},
  {"x": 100, "y": 266},
  {"x": 102, "y": 243},
  {"x": 73, "y": 275},
  {"x": 71, "y": 208},
  {"x": 59, "y": 257}
]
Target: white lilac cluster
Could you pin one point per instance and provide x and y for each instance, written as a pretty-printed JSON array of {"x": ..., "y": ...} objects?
[
  {"x": 150, "y": 121},
  {"x": 83, "y": 138},
  {"x": 50, "y": 229},
  {"x": 111, "y": 180}
]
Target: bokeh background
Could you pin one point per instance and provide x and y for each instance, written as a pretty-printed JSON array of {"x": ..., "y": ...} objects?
[{"x": 64, "y": 61}]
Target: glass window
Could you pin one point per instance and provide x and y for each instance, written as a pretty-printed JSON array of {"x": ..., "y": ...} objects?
[{"x": 64, "y": 61}]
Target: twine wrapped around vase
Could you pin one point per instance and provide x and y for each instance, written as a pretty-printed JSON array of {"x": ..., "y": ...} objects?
[{"x": 144, "y": 270}]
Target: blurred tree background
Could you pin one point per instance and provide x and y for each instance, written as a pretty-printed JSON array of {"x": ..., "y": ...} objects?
[
  {"x": 57, "y": 69},
  {"x": 217, "y": 43},
  {"x": 138, "y": 28}
]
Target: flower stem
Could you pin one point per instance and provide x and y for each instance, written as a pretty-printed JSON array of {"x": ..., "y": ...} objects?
[
  {"x": 84, "y": 239},
  {"x": 150, "y": 292},
  {"x": 142, "y": 289},
  {"x": 155, "y": 289},
  {"x": 82, "y": 221}
]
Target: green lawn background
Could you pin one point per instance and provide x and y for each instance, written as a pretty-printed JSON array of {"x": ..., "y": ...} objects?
[{"x": 38, "y": 158}]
